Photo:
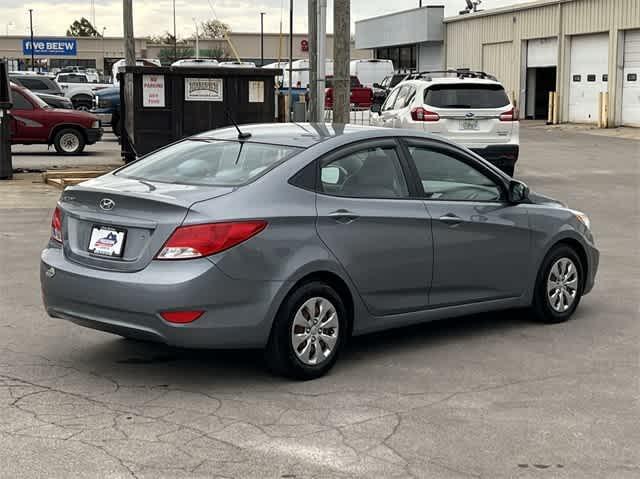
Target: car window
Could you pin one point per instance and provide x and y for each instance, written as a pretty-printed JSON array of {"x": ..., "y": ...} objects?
[
  {"x": 466, "y": 96},
  {"x": 20, "y": 102},
  {"x": 388, "y": 104},
  {"x": 72, "y": 78},
  {"x": 368, "y": 173},
  {"x": 34, "y": 84},
  {"x": 447, "y": 178},
  {"x": 209, "y": 162},
  {"x": 404, "y": 97}
]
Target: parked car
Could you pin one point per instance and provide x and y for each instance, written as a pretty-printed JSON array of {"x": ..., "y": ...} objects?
[
  {"x": 359, "y": 96},
  {"x": 37, "y": 83},
  {"x": 293, "y": 238},
  {"x": 107, "y": 107},
  {"x": 382, "y": 89},
  {"x": 195, "y": 63},
  {"x": 371, "y": 71},
  {"x": 35, "y": 122},
  {"x": 55, "y": 101},
  {"x": 78, "y": 88},
  {"x": 470, "y": 108}
]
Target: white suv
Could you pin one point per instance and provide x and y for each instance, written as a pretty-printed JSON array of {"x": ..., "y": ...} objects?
[{"x": 469, "y": 108}]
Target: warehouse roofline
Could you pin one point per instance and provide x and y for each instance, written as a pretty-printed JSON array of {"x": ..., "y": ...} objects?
[{"x": 507, "y": 9}]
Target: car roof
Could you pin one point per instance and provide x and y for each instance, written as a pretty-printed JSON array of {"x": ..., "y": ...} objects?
[
  {"x": 305, "y": 135},
  {"x": 449, "y": 81}
]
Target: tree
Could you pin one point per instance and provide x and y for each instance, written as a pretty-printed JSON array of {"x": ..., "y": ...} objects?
[
  {"x": 216, "y": 53},
  {"x": 165, "y": 39},
  {"x": 82, "y": 28},
  {"x": 167, "y": 56},
  {"x": 213, "y": 30}
]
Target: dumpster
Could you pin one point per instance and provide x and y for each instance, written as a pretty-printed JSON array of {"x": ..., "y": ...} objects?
[{"x": 160, "y": 105}]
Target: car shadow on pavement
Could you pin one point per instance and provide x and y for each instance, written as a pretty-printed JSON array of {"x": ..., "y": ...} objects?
[{"x": 138, "y": 359}]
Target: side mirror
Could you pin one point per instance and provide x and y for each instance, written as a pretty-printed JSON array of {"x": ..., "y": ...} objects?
[
  {"x": 518, "y": 191},
  {"x": 376, "y": 107}
]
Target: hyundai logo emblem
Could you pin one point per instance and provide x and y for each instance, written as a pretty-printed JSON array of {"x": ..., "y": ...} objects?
[
  {"x": 107, "y": 204},
  {"x": 469, "y": 115}
]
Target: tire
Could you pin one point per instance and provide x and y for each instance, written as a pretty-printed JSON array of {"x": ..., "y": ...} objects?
[
  {"x": 69, "y": 141},
  {"x": 307, "y": 361},
  {"x": 558, "y": 305}
]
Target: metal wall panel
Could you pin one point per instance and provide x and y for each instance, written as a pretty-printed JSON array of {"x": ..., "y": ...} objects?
[{"x": 496, "y": 60}]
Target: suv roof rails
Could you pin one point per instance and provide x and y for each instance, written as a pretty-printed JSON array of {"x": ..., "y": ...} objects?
[{"x": 459, "y": 73}]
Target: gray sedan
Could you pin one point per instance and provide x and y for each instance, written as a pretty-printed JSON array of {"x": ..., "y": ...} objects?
[{"x": 294, "y": 237}]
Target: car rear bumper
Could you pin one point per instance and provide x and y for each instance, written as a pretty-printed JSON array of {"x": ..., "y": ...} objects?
[
  {"x": 94, "y": 135},
  {"x": 237, "y": 313},
  {"x": 502, "y": 156}
]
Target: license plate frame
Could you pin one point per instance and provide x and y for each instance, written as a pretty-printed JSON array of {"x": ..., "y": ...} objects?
[
  {"x": 469, "y": 124},
  {"x": 103, "y": 244}
]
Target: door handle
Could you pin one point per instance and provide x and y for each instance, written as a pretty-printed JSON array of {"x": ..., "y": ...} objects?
[
  {"x": 343, "y": 216},
  {"x": 451, "y": 219}
]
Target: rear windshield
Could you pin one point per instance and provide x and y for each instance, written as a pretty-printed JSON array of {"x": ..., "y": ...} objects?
[
  {"x": 466, "y": 96},
  {"x": 209, "y": 162}
]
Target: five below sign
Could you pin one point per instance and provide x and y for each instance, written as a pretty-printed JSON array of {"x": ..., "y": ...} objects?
[{"x": 50, "y": 46}]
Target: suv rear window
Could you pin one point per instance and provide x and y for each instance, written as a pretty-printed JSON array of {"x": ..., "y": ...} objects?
[
  {"x": 466, "y": 96},
  {"x": 209, "y": 162}
]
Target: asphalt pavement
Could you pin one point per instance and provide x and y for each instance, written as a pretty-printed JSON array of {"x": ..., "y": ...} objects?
[{"x": 491, "y": 396}]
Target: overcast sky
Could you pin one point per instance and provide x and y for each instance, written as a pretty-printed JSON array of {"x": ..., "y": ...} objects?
[{"x": 52, "y": 17}]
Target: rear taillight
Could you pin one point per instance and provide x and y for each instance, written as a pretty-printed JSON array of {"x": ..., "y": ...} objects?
[
  {"x": 420, "y": 114},
  {"x": 196, "y": 241},
  {"x": 511, "y": 115},
  {"x": 181, "y": 317},
  {"x": 56, "y": 225}
]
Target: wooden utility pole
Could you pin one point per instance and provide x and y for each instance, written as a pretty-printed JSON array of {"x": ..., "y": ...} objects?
[
  {"x": 129, "y": 44},
  {"x": 341, "y": 57},
  {"x": 312, "y": 105}
]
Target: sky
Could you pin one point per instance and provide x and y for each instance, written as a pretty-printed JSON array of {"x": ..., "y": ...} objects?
[{"x": 53, "y": 17}]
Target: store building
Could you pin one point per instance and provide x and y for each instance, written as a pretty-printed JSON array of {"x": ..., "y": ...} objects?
[
  {"x": 412, "y": 39},
  {"x": 101, "y": 53},
  {"x": 578, "y": 48}
]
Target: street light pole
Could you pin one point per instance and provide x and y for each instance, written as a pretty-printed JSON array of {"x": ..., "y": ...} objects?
[
  {"x": 262, "y": 38},
  {"x": 290, "y": 99},
  {"x": 175, "y": 38},
  {"x": 197, "y": 39},
  {"x": 103, "y": 53},
  {"x": 33, "y": 47}
]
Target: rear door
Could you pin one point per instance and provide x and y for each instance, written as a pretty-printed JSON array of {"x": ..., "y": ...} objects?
[
  {"x": 481, "y": 242},
  {"x": 387, "y": 113},
  {"x": 375, "y": 229},
  {"x": 469, "y": 112}
]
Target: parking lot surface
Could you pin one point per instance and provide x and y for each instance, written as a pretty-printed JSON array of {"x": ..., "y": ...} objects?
[{"x": 491, "y": 396}]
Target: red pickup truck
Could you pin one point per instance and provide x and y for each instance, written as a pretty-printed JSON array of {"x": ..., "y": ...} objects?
[
  {"x": 35, "y": 122},
  {"x": 360, "y": 96}
]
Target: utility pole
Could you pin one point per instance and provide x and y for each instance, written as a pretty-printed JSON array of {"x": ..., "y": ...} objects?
[
  {"x": 290, "y": 99},
  {"x": 341, "y": 57},
  {"x": 33, "y": 47},
  {"x": 175, "y": 38},
  {"x": 197, "y": 39},
  {"x": 103, "y": 51},
  {"x": 262, "y": 14},
  {"x": 129, "y": 45},
  {"x": 321, "y": 56},
  {"x": 312, "y": 106}
]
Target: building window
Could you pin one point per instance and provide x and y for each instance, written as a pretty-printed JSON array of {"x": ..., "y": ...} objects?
[
  {"x": 605, "y": 78},
  {"x": 577, "y": 78},
  {"x": 632, "y": 77},
  {"x": 591, "y": 78},
  {"x": 403, "y": 58}
]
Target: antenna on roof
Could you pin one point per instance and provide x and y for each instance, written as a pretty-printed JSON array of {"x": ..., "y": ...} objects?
[
  {"x": 241, "y": 135},
  {"x": 472, "y": 6}
]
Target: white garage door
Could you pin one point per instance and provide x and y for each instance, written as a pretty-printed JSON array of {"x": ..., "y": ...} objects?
[
  {"x": 542, "y": 52},
  {"x": 589, "y": 75},
  {"x": 631, "y": 79}
]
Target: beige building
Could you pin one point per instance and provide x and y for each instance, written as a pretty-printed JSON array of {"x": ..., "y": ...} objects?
[
  {"x": 578, "y": 48},
  {"x": 101, "y": 53}
]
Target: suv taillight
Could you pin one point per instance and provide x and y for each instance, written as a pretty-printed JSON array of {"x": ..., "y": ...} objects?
[
  {"x": 196, "y": 241},
  {"x": 511, "y": 115},
  {"x": 420, "y": 114},
  {"x": 56, "y": 225}
]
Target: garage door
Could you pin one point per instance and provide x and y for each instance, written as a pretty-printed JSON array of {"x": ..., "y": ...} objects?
[
  {"x": 589, "y": 76},
  {"x": 631, "y": 79},
  {"x": 497, "y": 59},
  {"x": 542, "y": 52}
]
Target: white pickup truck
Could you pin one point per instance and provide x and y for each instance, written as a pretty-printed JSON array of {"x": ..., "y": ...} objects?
[{"x": 78, "y": 87}]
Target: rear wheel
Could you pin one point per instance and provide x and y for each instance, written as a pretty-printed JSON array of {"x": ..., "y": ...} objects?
[
  {"x": 69, "y": 141},
  {"x": 559, "y": 286},
  {"x": 308, "y": 332}
]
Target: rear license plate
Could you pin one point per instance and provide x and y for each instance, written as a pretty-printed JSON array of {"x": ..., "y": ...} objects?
[
  {"x": 469, "y": 125},
  {"x": 107, "y": 241}
]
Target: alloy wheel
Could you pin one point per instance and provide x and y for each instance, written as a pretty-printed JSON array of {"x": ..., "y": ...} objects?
[
  {"x": 315, "y": 329},
  {"x": 562, "y": 285},
  {"x": 69, "y": 142}
]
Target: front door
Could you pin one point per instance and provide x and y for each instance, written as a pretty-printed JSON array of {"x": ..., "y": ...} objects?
[
  {"x": 378, "y": 233},
  {"x": 481, "y": 242}
]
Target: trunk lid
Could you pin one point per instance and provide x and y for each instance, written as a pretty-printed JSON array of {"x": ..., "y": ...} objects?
[{"x": 147, "y": 212}]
